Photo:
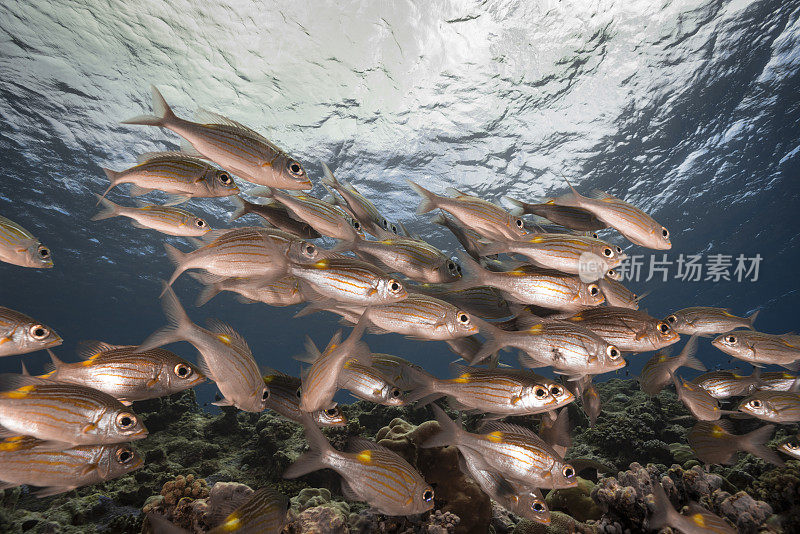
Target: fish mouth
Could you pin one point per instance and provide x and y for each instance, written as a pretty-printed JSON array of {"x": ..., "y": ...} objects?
[{"x": 55, "y": 342}]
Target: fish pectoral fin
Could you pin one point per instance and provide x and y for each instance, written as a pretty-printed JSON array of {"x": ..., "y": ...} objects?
[
  {"x": 4, "y": 339},
  {"x": 87, "y": 469},
  {"x": 88, "y": 427},
  {"x": 152, "y": 382},
  {"x": 125, "y": 402},
  {"x": 223, "y": 402},
  {"x": 516, "y": 399},
  {"x": 7, "y": 485},
  {"x": 52, "y": 445},
  {"x": 53, "y": 490}
]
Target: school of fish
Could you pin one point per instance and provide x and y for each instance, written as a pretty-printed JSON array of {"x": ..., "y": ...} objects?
[{"x": 544, "y": 286}]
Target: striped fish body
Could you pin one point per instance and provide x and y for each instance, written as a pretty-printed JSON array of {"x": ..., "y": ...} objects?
[
  {"x": 19, "y": 247},
  {"x": 568, "y": 254},
  {"x": 637, "y": 226},
  {"x": 176, "y": 174},
  {"x": 323, "y": 217},
  {"x": 422, "y": 317},
  {"x": 20, "y": 334},
  {"x": 263, "y": 513},
  {"x": 412, "y": 258},
  {"x": 724, "y": 384},
  {"x": 165, "y": 219},
  {"x": 22, "y": 461},
  {"x": 349, "y": 281},
  {"x": 573, "y": 218},
  {"x": 628, "y": 330},
  {"x": 277, "y": 215},
  {"x": 570, "y": 349},
  {"x": 282, "y": 292},
  {"x": 65, "y": 413},
  {"x": 777, "y": 381},
  {"x": 361, "y": 207},
  {"x": 125, "y": 374},
  {"x": 399, "y": 371},
  {"x": 483, "y": 301},
  {"x": 760, "y": 349},
  {"x": 703, "y": 320},
  {"x": 714, "y": 443},
  {"x": 697, "y": 400},
  {"x": 382, "y": 478},
  {"x": 367, "y": 383},
  {"x": 468, "y": 238},
  {"x": 773, "y": 406},
  {"x": 617, "y": 294},
  {"x": 501, "y": 391},
  {"x": 284, "y": 398}
]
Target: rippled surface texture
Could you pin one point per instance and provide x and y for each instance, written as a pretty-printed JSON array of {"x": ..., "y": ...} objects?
[{"x": 688, "y": 109}]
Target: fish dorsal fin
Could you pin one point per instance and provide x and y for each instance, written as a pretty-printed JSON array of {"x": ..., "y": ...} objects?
[
  {"x": 335, "y": 341},
  {"x": 601, "y": 195},
  {"x": 453, "y": 193},
  {"x": 209, "y": 117},
  {"x": 499, "y": 426},
  {"x": 88, "y": 350},
  {"x": 10, "y": 381},
  {"x": 167, "y": 155},
  {"x": 359, "y": 444},
  {"x": 227, "y": 335}
]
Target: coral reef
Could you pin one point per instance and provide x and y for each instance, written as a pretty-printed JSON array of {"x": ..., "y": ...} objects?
[
  {"x": 780, "y": 488},
  {"x": 576, "y": 501}
]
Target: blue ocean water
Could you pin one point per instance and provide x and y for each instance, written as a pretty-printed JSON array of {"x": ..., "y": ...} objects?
[{"x": 687, "y": 109}]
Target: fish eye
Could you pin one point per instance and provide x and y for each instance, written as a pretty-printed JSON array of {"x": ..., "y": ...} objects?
[
  {"x": 556, "y": 390},
  {"x": 356, "y": 224},
  {"x": 755, "y": 403},
  {"x": 200, "y": 223},
  {"x": 427, "y": 495},
  {"x": 463, "y": 318},
  {"x": 595, "y": 235},
  {"x": 458, "y": 268},
  {"x": 619, "y": 250},
  {"x": 183, "y": 370},
  {"x": 607, "y": 252},
  {"x": 663, "y": 328},
  {"x": 568, "y": 471},
  {"x": 395, "y": 286},
  {"x": 265, "y": 394},
  {"x": 794, "y": 445},
  {"x": 385, "y": 224},
  {"x": 538, "y": 506},
  {"x": 294, "y": 168},
  {"x": 43, "y": 251},
  {"x": 331, "y": 412},
  {"x": 126, "y": 420},
  {"x": 665, "y": 233},
  {"x": 310, "y": 249},
  {"x": 224, "y": 178},
  {"x": 613, "y": 352},
  {"x": 124, "y": 455},
  {"x": 612, "y": 274},
  {"x": 298, "y": 393},
  {"x": 594, "y": 290},
  {"x": 519, "y": 223},
  {"x": 540, "y": 392},
  {"x": 39, "y": 331},
  {"x": 730, "y": 339},
  {"x": 453, "y": 267},
  {"x": 672, "y": 319},
  {"x": 395, "y": 393},
  {"x": 394, "y": 229}
]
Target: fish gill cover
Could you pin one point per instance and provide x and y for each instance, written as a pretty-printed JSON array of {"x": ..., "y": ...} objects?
[{"x": 686, "y": 110}]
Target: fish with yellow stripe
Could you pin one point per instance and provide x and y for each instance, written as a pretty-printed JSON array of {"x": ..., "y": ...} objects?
[
  {"x": 655, "y": 373},
  {"x": 628, "y": 330},
  {"x": 285, "y": 392},
  {"x": 513, "y": 451},
  {"x": 483, "y": 301},
  {"x": 165, "y": 219},
  {"x": 20, "y": 334},
  {"x": 698, "y": 521},
  {"x": 714, "y": 442},
  {"x": 64, "y": 414},
  {"x": 360, "y": 206},
  {"x": 633, "y": 223},
  {"x": 349, "y": 281},
  {"x": 405, "y": 374},
  {"x": 223, "y": 355},
  {"x": 761, "y": 349},
  {"x": 229, "y": 144},
  {"x": 577, "y": 219},
  {"x": 724, "y": 384},
  {"x": 281, "y": 292},
  {"x": 124, "y": 373},
  {"x": 705, "y": 320},
  {"x": 25, "y": 460},
  {"x": 773, "y": 406},
  {"x": 487, "y": 219},
  {"x": 775, "y": 381},
  {"x": 370, "y": 472},
  {"x": 19, "y": 247},
  {"x": 421, "y": 317},
  {"x": 702, "y": 406},
  {"x": 368, "y": 383},
  {"x": 275, "y": 214},
  {"x": 494, "y": 391},
  {"x": 616, "y": 294},
  {"x": 469, "y": 239}
]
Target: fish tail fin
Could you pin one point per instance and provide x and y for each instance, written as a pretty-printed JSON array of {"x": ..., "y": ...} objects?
[
  {"x": 162, "y": 113},
  {"x": 473, "y": 276},
  {"x": 752, "y": 319},
  {"x": 517, "y": 206},
  {"x": 109, "y": 209},
  {"x": 448, "y": 430},
  {"x": 688, "y": 358},
  {"x": 212, "y": 287},
  {"x": 318, "y": 449},
  {"x": 426, "y": 386},
  {"x": 429, "y": 199},
  {"x": 755, "y": 443},
  {"x": 178, "y": 258},
  {"x": 493, "y": 343},
  {"x": 241, "y": 210},
  {"x": 177, "y": 322},
  {"x": 113, "y": 179},
  {"x": 664, "y": 512}
]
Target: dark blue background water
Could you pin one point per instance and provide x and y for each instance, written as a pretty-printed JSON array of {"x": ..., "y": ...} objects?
[{"x": 689, "y": 110}]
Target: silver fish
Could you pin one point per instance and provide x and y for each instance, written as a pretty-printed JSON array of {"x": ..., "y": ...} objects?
[
  {"x": 483, "y": 301},
  {"x": 590, "y": 400},
  {"x": 284, "y": 397},
  {"x": 617, "y": 294},
  {"x": 19, "y": 247},
  {"x": 164, "y": 219},
  {"x": 421, "y": 317},
  {"x": 703, "y": 406},
  {"x": 403, "y": 373},
  {"x": 369, "y": 473},
  {"x": 277, "y": 215},
  {"x": 637, "y": 226},
  {"x": 20, "y": 334},
  {"x": 513, "y": 451},
  {"x": 487, "y": 219},
  {"x": 231, "y": 145},
  {"x": 126, "y": 374},
  {"x": 573, "y": 218},
  {"x": 791, "y": 446},
  {"x": 24, "y": 461},
  {"x": 655, "y": 373},
  {"x": 703, "y": 320},
  {"x": 761, "y": 349},
  {"x": 775, "y": 381},
  {"x": 281, "y": 292},
  {"x": 363, "y": 210},
  {"x": 349, "y": 281},
  {"x": 65, "y": 413},
  {"x": 715, "y": 443},
  {"x": 628, "y": 330},
  {"x": 699, "y": 520},
  {"x": 725, "y": 384},
  {"x": 469, "y": 239},
  {"x": 367, "y": 383},
  {"x": 224, "y": 356},
  {"x": 773, "y": 406}
]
